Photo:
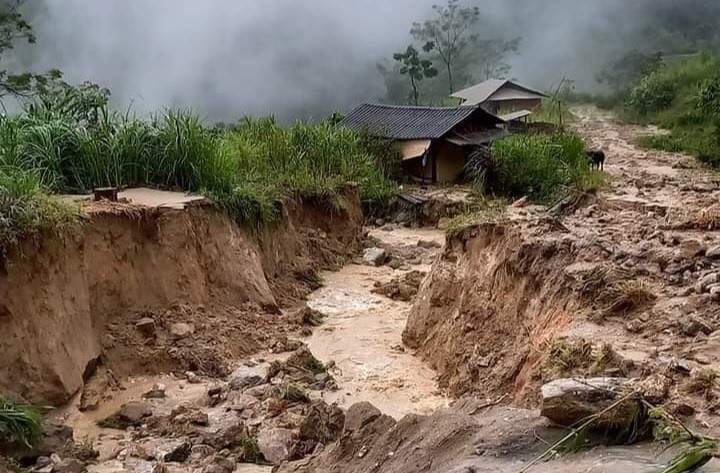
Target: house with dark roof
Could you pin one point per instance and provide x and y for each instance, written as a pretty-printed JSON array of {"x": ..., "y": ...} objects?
[
  {"x": 435, "y": 142},
  {"x": 500, "y": 96}
]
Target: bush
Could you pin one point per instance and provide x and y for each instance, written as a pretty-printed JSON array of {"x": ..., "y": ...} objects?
[
  {"x": 541, "y": 167},
  {"x": 656, "y": 92},
  {"x": 69, "y": 142},
  {"x": 19, "y": 423},
  {"x": 26, "y": 209}
]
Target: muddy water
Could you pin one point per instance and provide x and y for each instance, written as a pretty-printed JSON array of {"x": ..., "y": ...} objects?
[{"x": 363, "y": 336}]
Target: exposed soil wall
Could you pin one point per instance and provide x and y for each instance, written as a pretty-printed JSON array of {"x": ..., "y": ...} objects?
[
  {"x": 65, "y": 302},
  {"x": 486, "y": 313}
]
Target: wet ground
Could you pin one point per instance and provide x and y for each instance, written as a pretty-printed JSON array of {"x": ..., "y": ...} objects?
[{"x": 363, "y": 336}]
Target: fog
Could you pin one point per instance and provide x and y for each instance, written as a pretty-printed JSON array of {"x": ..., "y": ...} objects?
[{"x": 297, "y": 58}]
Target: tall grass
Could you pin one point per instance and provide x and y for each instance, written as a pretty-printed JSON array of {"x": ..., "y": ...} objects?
[
  {"x": 26, "y": 208},
  {"x": 72, "y": 144},
  {"x": 541, "y": 167},
  {"x": 19, "y": 423}
]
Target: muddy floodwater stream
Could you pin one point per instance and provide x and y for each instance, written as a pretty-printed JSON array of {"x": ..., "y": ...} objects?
[{"x": 362, "y": 335}]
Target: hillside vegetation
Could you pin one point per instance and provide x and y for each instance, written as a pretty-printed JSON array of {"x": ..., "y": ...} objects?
[
  {"x": 69, "y": 142},
  {"x": 682, "y": 97}
]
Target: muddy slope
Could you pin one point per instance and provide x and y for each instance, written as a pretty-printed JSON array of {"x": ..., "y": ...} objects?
[
  {"x": 490, "y": 300},
  {"x": 66, "y": 302}
]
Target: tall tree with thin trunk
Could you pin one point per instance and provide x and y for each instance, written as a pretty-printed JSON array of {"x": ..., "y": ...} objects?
[
  {"x": 416, "y": 68},
  {"x": 450, "y": 33}
]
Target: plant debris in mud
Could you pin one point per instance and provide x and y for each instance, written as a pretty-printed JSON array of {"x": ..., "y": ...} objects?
[
  {"x": 580, "y": 357},
  {"x": 19, "y": 423}
]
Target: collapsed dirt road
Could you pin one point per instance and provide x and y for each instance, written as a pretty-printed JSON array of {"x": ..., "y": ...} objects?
[{"x": 625, "y": 285}]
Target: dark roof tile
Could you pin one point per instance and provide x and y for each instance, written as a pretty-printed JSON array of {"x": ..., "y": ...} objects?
[{"x": 411, "y": 123}]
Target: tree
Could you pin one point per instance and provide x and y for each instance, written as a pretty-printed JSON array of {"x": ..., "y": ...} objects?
[
  {"x": 491, "y": 57},
  {"x": 416, "y": 68},
  {"x": 450, "y": 34},
  {"x": 627, "y": 71},
  {"x": 15, "y": 28}
]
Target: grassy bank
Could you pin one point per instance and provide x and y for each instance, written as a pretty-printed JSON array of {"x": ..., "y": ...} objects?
[
  {"x": 72, "y": 143},
  {"x": 541, "y": 167},
  {"x": 684, "y": 98}
]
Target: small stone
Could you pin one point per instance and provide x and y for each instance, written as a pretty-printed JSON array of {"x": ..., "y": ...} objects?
[
  {"x": 146, "y": 326},
  {"x": 713, "y": 253},
  {"x": 359, "y": 415},
  {"x": 258, "y": 391},
  {"x": 694, "y": 325},
  {"x": 130, "y": 414},
  {"x": 178, "y": 331},
  {"x": 428, "y": 244},
  {"x": 375, "y": 256},
  {"x": 179, "y": 453},
  {"x": 246, "y": 377},
  {"x": 157, "y": 392},
  {"x": 192, "y": 378},
  {"x": 275, "y": 444},
  {"x": 70, "y": 465},
  {"x": 395, "y": 264},
  {"x": 703, "y": 360}
]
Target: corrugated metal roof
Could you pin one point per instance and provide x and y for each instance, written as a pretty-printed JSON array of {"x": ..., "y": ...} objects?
[
  {"x": 484, "y": 91},
  {"x": 412, "y": 123}
]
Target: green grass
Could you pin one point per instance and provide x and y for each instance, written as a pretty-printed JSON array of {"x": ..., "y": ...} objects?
[
  {"x": 541, "y": 167},
  {"x": 26, "y": 209},
  {"x": 72, "y": 143},
  {"x": 19, "y": 423},
  {"x": 682, "y": 99}
]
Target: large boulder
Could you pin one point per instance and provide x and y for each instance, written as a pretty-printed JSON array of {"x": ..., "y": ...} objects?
[{"x": 569, "y": 401}]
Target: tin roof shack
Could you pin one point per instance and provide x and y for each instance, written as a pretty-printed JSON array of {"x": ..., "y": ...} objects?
[
  {"x": 434, "y": 141},
  {"x": 500, "y": 96}
]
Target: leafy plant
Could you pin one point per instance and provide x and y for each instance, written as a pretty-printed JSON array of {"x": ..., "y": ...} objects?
[
  {"x": 19, "y": 423},
  {"x": 655, "y": 93},
  {"x": 416, "y": 68}
]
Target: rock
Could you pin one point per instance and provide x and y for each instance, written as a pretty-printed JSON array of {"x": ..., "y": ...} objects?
[
  {"x": 395, "y": 264},
  {"x": 178, "y": 331},
  {"x": 695, "y": 325},
  {"x": 192, "y": 378},
  {"x": 157, "y": 392},
  {"x": 323, "y": 423},
  {"x": 258, "y": 391},
  {"x": 246, "y": 377},
  {"x": 220, "y": 465},
  {"x": 54, "y": 438},
  {"x": 706, "y": 282},
  {"x": 69, "y": 466},
  {"x": 379, "y": 222},
  {"x": 146, "y": 326},
  {"x": 713, "y": 253},
  {"x": 178, "y": 453},
  {"x": 42, "y": 462},
  {"x": 428, "y": 244},
  {"x": 242, "y": 402},
  {"x": 276, "y": 444},
  {"x": 567, "y": 401},
  {"x": 443, "y": 223},
  {"x": 406, "y": 292},
  {"x": 375, "y": 256},
  {"x": 130, "y": 414},
  {"x": 360, "y": 415}
]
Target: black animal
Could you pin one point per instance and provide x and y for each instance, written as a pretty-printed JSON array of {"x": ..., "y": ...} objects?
[{"x": 596, "y": 158}]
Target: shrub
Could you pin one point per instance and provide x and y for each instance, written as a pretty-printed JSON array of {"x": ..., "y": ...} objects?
[
  {"x": 540, "y": 167},
  {"x": 26, "y": 209},
  {"x": 19, "y": 423},
  {"x": 656, "y": 92}
]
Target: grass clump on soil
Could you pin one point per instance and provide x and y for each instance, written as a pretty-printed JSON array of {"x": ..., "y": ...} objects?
[
  {"x": 487, "y": 210},
  {"x": 250, "y": 451},
  {"x": 541, "y": 167},
  {"x": 69, "y": 141},
  {"x": 19, "y": 423},
  {"x": 26, "y": 208},
  {"x": 629, "y": 296}
]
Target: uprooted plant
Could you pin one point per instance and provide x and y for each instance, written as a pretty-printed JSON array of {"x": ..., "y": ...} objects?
[
  {"x": 19, "y": 423},
  {"x": 648, "y": 420}
]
